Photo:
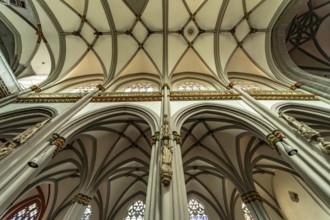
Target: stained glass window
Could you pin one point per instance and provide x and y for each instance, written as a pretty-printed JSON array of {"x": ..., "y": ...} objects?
[
  {"x": 136, "y": 211},
  {"x": 29, "y": 81},
  {"x": 81, "y": 89},
  {"x": 87, "y": 213},
  {"x": 191, "y": 86},
  {"x": 196, "y": 210},
  {"x": 28, "y": 212},
  {"x": 246, "y": 212},
  {"x": 244, "y": 85},
  {"x": 139, "y": 87}
]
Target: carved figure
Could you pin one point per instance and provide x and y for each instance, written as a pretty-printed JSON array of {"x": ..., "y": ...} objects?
[
  {"x": 324, "y": 145},
  {"x": 309, "y": 133},
  {"x": 20, "y": 139},
  {"x": 7, "y": 148},
  {"x": 302, "y": 128},
  {"x": 165, "y": 128},
  {"x": 25, "y": 135},
  {"x": 167, "y": 154}
]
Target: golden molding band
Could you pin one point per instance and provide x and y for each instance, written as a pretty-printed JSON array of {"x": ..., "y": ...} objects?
[
  {"x": 251, "y": 197},
  {"x": 81, "y": 199},
  {"x": 157, "y": 96}
]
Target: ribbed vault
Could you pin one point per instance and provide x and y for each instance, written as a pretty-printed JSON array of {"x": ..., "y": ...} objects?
[
  {"x": 224, "y": 159},
  {"x": 107, "y": 159},
  {"x": 111, "y": 42}
]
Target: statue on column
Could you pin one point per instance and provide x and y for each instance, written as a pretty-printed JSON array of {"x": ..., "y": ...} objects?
[
  {"x": 167, "y": 153},
  {"x": 309, "y": 133},
  {"x": 20, "y": 139},
  {"x": 25, "y": 135}
]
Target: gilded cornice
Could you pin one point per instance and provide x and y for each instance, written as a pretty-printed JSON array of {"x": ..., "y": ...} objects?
[
  {"x": 209, "y": 95},
  {"x": 157, "y": 96},
  {"x": 281, "y": 95}
]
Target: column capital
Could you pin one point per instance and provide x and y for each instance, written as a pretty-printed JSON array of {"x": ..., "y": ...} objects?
[
  {"x": 58, "y": 141},
  {"x": 81, "y": 199},
  {"x": 251, "y": 197},
  {"x": 177, "y": 138},
  {"x": 273, "y": 138},
  {"x": 230, "y": 85},
  {"x": 35, "y": 88},
  {"x": 155, "y": 138},
  {"x": 166, "y": 85},
  {"x": 295, "y": 86},
  {"x": 100, "y": 87}
]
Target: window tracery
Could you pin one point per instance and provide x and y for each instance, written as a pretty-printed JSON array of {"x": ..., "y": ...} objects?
[
  {"x": 29, "y": 81},
  {"x": 81, "y": 89},
  {"x": 29, "y": 211},
  {"x": 87, "y": 213},
  {"x": 139, "y": 87},
  {"x": 247, "y": 86},
  {"x": 246, "y": 212},
  {"x": 196, "y": 210},
  {"x": 136, "y": 211},
  {"x": 191, "y": 86}
]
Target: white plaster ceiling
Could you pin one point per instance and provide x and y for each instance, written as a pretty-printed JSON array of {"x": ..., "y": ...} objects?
[{"x": 118, "y": 39}]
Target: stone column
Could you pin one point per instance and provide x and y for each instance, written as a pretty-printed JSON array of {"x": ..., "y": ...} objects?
[
  {"x": 180, "y": 200},
  {"x": 9, "y": 192},
  {"x": 32, "y": 147},
  {"x": 254, "y": 203},
  {"x": 318, "y": 184},
  {"x": 10, "y": 146},
  {"x": 308, "y": 163},
  {"x": 78, "y": 207},
  {"x": 152, "y": 211},
  {"x": 17, "y": 174}
]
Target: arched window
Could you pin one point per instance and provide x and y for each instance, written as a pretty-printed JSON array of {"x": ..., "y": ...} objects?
[
  {"x": 139, "y": 87},
  {"x": 249, "y": 86},
  {"x": 246, "y": 212},
  {"x": 87, "y": 213},
  {"x": 29, "y": 211},
  {"x": 136, "y": 211},
  {"x": 29, "y": 81},
  {"x": 196, "y": 210},
  {"x": 191, "y": 86},
  {"x": 80, "y": 89}
]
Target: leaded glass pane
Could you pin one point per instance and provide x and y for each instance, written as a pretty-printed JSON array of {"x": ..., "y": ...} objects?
[
  {"x": 246, "y": 212},
  {"x": 136, "y": 211},
  {"x": 87, "y": 213},
  {"x": 191, "y": 86},
  {"x": 196, "y": 210},
  {"x": 28, "y": 212},
  {"x": 139, "y": 87}
]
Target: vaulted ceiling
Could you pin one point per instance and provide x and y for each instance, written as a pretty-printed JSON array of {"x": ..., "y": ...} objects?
[
  {"x": 120, "y": 42},
  {"x": 308, "y": 37}
]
